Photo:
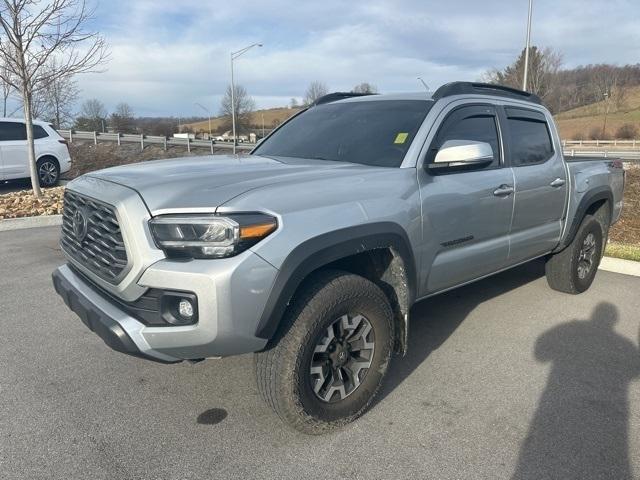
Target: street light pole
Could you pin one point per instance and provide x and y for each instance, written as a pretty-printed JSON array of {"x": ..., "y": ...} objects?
[
  {"x": 526, "y": 51},
  {"x": 233, "y": 56},
  {"x": 208, "y": 114}
]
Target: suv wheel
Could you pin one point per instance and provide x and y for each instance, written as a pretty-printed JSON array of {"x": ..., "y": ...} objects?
[
  {"x": 573, "y": 269},
  {"x": 325, "y": 368},
  {"x": 48, "y": 172}
]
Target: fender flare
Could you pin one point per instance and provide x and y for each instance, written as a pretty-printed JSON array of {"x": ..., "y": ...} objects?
[
  {"x": 593, "y": 196},
  {"x": 327, "y": 248}
]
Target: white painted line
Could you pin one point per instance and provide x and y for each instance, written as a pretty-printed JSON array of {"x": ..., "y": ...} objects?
[
  {"x": 618, "y": 265},
  {"x": 30, "y": 222}
]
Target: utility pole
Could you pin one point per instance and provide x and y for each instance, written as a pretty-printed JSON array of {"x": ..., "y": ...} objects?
[
  {"x": 526, "y": 50},
  {"x": 208, "y": 115},
  {"x": 606, "y": 112},
  {"x": 262, "y": 125},
  {"x": 233, "y": 56}
]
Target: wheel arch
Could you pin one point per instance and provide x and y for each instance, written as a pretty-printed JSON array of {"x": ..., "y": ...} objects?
[
  {"x": 597, "y": 202},
  {"x": 48, "y": 156},
  {"x": 380, "y": 252}
]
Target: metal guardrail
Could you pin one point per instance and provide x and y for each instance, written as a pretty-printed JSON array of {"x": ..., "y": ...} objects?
[
  {"x": 628, "y": 156},
  {"x": 145, "y": 140},
  {"x": 601, "y": 143}
]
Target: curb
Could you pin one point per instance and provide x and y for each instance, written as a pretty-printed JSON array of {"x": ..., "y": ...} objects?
[
  {"x": 30, "y": 222},
  {"x": 618, "y": 265}
]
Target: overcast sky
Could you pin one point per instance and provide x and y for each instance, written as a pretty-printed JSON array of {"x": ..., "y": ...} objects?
[{"x": 168, "y": 54}]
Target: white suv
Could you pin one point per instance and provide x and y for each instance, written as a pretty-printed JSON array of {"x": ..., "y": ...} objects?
[{"x": 52, "y": 154}]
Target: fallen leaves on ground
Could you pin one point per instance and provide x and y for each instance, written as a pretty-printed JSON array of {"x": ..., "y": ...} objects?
[{"x": 24, "y": 204}]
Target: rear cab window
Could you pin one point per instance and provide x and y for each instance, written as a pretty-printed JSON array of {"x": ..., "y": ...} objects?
[
  {"x": 368, "y": 132},
  {"x": 530, "y": 138}
]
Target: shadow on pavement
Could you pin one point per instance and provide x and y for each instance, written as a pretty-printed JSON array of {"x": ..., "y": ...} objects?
[
  {"x": 580, "y": 428},
  {"x": 435, "y": 319}
]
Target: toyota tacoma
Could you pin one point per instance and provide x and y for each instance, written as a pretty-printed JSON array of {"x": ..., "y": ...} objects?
[{"x": 311, "y": 250}]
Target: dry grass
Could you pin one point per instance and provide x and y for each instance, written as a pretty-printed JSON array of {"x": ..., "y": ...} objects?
[
  {"x": 627, "y": 230},
  {"x": 272, "y": 118},
  {"x": 87, "y": 157},
  {"x": 626, "y": 252},
  {"x": 583, "y": 120}
]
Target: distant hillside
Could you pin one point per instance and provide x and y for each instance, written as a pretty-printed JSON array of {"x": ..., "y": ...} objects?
[
  {"x": 582, "y": 121},
  {"x": 272, "y": 118}
]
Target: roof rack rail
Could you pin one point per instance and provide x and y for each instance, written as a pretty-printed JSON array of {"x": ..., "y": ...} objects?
[
  {"x": 335, "y": 96},
  {"x": 459, "y": 88}
]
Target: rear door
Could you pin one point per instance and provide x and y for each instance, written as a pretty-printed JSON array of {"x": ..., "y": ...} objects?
[
  {"x": 540, "y": 183},
  {"x": 466, "y": 210},
  {"x": 13, "y": 148}
]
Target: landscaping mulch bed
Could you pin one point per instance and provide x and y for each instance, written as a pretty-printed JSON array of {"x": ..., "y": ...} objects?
[{"x": 24, "y": 204}]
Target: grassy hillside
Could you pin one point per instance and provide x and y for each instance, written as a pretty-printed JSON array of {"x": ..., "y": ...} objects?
[
  {"x": 272, "y": 118},
  {"x": 583, "y": 120}
]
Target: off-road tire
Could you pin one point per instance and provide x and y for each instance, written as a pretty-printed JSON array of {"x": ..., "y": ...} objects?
[
  {"x": 562, "y": 268},
  {"x": 282, "y": 369}
]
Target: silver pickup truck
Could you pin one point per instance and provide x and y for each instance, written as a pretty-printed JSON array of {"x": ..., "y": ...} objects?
[{"x": 311, "y": 251}]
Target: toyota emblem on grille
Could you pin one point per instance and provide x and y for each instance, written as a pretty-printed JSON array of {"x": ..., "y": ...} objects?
[{"x": 79, "y": 225}]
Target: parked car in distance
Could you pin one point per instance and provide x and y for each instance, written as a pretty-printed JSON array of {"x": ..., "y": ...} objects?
[
  {"x": 52, "y": 153},
  {"x": 311, "y": 251}
]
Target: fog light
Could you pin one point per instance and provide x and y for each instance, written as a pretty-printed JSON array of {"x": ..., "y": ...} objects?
[{"x": 185, "y": 309}]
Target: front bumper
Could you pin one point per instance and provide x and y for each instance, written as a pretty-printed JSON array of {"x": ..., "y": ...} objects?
[
  {"x": 231, "y": 296},
  {"x": 116, "y": 329}
]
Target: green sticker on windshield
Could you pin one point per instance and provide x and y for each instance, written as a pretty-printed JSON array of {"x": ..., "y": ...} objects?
[{"x": 401, "y": 137}]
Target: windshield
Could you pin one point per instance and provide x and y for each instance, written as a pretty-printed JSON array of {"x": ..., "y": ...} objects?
[{"x": 371, "y": 132}]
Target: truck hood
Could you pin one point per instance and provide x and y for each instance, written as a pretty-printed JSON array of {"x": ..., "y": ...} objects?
[{"x": 204, "y": 183}]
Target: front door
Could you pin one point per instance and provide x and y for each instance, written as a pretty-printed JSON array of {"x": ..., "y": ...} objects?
[{"x": 466, "y": 208}]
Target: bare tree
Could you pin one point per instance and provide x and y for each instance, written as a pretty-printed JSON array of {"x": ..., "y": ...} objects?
[
  {"x": 315, "y": 90},
  {"x": 293, "y": 102},
  {"x": 244, "y": 107},
  {"x": 54, "y": 102},
  {"x": 122, "y": 120},
  {"x": 60, "y": 96},
  {"x": 365, "y": 87},
  {"x": 92, "y": 116},
  {"x": 32, "y": 34},
  {"x": 543, "y": 68},
  {"x": 7, "y": 88}
]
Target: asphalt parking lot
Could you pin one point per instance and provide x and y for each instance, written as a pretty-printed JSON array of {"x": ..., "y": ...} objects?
[{"x": 504, "y": 379}]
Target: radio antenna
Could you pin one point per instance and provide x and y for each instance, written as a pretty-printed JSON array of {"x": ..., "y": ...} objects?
[{"x": 426, "y": 87}]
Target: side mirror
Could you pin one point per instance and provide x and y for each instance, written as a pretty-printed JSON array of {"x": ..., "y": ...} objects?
[{"x": 456, "y": 153}]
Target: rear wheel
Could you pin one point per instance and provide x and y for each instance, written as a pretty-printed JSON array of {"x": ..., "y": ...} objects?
[
  {"x": 48, "y": 172},
  {"x": 326, "y": 366},
  {"x": 573, "y": 269}
]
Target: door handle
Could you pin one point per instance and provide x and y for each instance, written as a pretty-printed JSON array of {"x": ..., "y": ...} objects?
[
  {"x": 558, "y": 182},
  {"x": 503, "y": 190}
]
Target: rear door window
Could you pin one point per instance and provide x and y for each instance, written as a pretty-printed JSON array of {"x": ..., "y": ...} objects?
[{"x": 531, "y": 142}]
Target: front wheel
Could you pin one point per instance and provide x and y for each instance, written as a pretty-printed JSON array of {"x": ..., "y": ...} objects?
[
  {"x": 573, "y": 269},
  {"x": 327, "y": 364}
]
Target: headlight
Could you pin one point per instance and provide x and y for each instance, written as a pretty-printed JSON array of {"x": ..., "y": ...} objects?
[{"x": 210, "y": 236}]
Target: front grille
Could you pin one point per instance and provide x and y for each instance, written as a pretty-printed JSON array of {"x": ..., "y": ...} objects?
[{"x": 91, "y": 236}]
